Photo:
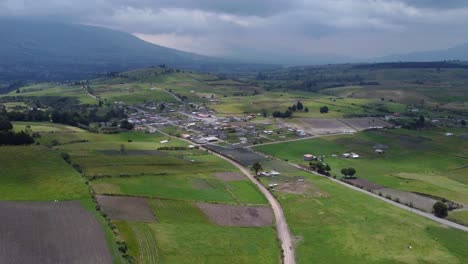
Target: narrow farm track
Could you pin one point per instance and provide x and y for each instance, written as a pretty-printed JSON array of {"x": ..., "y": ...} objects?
[{"x": 282, "y": 228}]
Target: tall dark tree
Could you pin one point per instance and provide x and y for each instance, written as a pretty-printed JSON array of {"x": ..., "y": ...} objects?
[
  {"x": 299, "y": 106},
  {"x": 324, "y": 109},
  {"x": 5, "y": 124},
  {"x": 256, "y": 167},
  {"x": 440, "y": 209}
]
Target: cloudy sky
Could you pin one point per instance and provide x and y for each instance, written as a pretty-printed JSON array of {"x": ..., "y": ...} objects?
[{"x": 267, "y": 29}]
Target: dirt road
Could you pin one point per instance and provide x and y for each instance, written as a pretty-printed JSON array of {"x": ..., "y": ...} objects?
[{"x": 282, "y": 229}]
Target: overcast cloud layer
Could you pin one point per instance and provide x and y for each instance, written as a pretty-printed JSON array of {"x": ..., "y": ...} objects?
[{"x": 266, "y": 29}]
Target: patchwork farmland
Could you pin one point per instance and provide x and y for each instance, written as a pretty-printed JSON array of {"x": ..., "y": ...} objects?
[{"x": 150, "y": 194}]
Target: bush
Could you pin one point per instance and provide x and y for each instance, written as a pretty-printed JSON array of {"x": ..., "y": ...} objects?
[{"x": 440, "y": 209}]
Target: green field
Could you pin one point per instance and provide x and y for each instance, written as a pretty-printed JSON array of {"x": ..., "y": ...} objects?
[
  {"x": 178, "y": 178},
  {"x": 334, "y": 224},
  {"x": 38, "y": 173},
  {"x": 53, "y": 89},
  {"x": 184, "y": 235},
  {"x": 35, "y": 173},
  {"x": 459, "y": 217},
  {"x": 425, "y": 162}
]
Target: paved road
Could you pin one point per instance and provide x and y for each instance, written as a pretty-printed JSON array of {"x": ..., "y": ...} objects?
[
  {"x": 407, "y": 208},
  {"x": 282, "y": 229}
]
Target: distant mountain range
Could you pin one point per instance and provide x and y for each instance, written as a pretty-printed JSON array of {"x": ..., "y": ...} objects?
[
  {"x": 42, "y": 50},
  {"x": 46, "y": 50},
  {"x": 456, "y": 53}
]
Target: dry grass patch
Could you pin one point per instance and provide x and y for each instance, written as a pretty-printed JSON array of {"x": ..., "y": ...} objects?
[
  {"x": 229, "y": 215},
  {"x": 126, "y": 208}
]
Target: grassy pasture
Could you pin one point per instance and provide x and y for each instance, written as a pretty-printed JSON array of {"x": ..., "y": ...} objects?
[
  {"x": 459, "y": 217},
  {"x": 339, "y": 225},
  {"x": 132, "y": 93},
  {"x": 425, "y": 162},
  {"x": 51, "y": 89},
  {"x": 184, "y": 235},
  {"x": 183, "y": 174},
  {"x": 37, "y": 174}
]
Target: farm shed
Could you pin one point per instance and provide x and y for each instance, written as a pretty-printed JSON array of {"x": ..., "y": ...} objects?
[{"x": 308, "y": 157}]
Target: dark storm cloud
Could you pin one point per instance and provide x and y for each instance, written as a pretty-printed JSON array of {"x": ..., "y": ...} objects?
[{"x": 227, "y": 27}]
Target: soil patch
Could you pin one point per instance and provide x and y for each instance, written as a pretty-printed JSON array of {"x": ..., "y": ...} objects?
[
  {"x": 364, "y": 123},
  {"x": 126, "y": 208},
  {"x": 229, "y": 176},
  {"x": 298, "y": 185},
  {"x": 133, "y": 153},
  {"x": 420, "y": 202},
  {"x": 242, "y": 155},
  {"x": 229, "y": 215},
  {"x": 49, "y": 232},
  {"x": 318, "y": 126},
  {"x": 364, "y": 184}
]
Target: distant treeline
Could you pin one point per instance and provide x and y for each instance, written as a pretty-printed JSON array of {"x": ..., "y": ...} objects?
[
  {"x": 63, "y": 110},
  {"x": 424, "y": 65},
  {"x": 9, "y": 137}
]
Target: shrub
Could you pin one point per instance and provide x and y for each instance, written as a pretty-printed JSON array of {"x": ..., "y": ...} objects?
[{"x": 440, "y": 209}]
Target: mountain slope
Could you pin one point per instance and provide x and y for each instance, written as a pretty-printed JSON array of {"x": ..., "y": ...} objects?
[
  {"x": 49, "y": 50},
  {"x": 456, "y": 53}
]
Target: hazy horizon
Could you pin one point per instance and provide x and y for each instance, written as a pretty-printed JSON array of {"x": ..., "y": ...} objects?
[{"x": 264, "y": 29}]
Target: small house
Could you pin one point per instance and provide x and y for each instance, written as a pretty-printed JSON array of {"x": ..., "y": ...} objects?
[
  {"x": 274, "y": 173},
  {"x": 379, "y": 151},
  {"x": 164, "y": 141},
  {"x": 309, "y": 157},
  {"x": 346, "y": 155},
  {"x": 185, "y": 136}
]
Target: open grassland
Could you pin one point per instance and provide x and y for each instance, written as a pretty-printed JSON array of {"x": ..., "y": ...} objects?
[
  {"x": 459, "y": 217},
  {"x": 38, "y": 173},
  {"x": 184, "y": 235},
  {"x": 132, "y": 93},
  {"x": 55, "y": 90},
  {"x": 425, "y": 162},
  {"x": 334, "y": 224},
  {"x": 280, "y": 101}
]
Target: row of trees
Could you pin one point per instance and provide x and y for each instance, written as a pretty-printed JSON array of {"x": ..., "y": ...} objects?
[{"x": 9, "y": 137}]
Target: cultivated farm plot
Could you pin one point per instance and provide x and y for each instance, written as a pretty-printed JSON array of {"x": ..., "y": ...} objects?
[
  {"x": 318, "y": 126},
  {"x": 242, "y": 155},
  {"x": 229, "y": 176},
  {"x": 420, "y": 202},
  {"x": 126, "y": 208},
  {"x": 49, "y": 232},
  {"x": 364, "y": 123},
  {"x": 229, "y": 215}
]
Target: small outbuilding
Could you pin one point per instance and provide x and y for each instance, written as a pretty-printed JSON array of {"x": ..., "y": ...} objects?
[{"x": 309, "y": 157}]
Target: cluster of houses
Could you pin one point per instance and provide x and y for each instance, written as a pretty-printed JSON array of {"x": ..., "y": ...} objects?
[
  {"x": 351, "y": 155},
  {"x": 271, "y": 173}
]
